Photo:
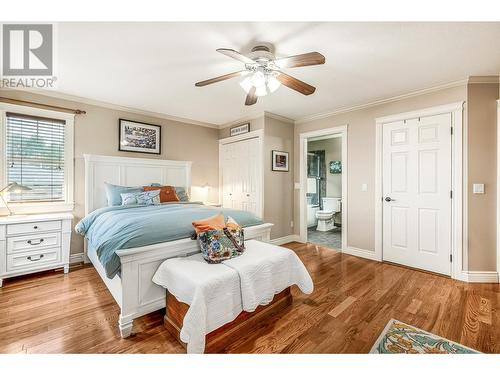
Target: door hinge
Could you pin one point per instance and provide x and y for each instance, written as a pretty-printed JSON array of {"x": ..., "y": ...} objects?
[
  {"x": 451, "y": 194},
  {"x": 451, "y": 130},
  {"x": 451, "y": 258}
]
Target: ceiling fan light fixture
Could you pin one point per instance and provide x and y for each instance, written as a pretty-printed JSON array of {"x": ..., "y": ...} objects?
[
  {"x": 273, "y": 84},
  {"x": 258, "y": 79},
  {"x": 264, "y": 83},
  {"x": 246, "y": 84}
]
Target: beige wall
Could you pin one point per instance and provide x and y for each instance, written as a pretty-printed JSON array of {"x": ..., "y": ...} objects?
[
  {"x": 482, "y": 151},
  {"x": 333, "y": 151},
  {"x": 97, "y": 133},
  {"x": 361, "y": 157}
]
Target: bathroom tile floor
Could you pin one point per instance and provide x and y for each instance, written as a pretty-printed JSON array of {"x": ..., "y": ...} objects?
[{"x": 331, "y": 239}]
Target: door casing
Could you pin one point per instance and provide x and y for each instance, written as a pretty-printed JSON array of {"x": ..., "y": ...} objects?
[
  {"x": 342, "y": 130},
  {"x": 459, "y": 184}
]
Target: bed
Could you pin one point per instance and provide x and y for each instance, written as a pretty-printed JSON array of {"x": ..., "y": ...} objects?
[{"x": 132, "y": 287}]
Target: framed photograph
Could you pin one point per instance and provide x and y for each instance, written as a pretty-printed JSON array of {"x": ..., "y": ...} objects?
[
  {"x": 139, "y": 137},
  {"x": 280, "y": 161},
  {"x": 335, "y": 167},
  {"x": 240, "y": 129}
]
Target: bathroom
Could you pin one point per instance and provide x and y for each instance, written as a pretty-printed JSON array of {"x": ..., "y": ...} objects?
[{"x": 324, "y": 191}]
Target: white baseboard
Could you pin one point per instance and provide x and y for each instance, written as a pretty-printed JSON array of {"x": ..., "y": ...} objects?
[
  {"x": 480, "y": 276},
  {"x": 286, "y": 239},
  {"x": 75, "y": 258},
  {"x": 368, "y": 254}
]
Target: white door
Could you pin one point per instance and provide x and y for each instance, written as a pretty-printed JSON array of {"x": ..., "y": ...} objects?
[
  {"x": 417, "y": 193},
  {"x": 241, "y": 173}
]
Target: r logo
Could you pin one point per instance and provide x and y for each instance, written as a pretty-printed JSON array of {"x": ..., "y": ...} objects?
[{"x": 27, "y": 50}]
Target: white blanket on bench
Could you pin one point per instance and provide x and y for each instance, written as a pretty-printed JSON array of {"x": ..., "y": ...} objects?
[
  {"x": 217, "y": 293},
  {"x": 266, "y": 270}
]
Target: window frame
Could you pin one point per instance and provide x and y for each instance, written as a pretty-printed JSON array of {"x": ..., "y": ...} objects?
[{"x": 68, "y": 195}]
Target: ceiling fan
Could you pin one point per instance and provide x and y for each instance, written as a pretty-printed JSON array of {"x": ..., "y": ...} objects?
[{"x": 263, "y": 72}]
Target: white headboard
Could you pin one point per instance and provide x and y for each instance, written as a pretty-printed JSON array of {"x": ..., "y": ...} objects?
[{"x": 118, "y": 170}]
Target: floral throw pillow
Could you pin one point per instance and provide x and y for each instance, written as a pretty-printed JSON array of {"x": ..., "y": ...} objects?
[
  {"x": 145, "y": 198},
  {"x": 218, "y": 245}
]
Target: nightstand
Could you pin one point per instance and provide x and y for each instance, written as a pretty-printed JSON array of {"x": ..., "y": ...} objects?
[{"x": 33, "y": 243}]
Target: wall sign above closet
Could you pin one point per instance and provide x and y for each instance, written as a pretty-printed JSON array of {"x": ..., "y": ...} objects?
[{"x": 240, "y": 129}]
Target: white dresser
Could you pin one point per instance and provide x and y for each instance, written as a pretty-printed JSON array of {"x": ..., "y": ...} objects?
[{"x": 32, "y": 243}]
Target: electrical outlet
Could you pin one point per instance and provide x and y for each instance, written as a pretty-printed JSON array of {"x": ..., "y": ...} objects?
[{"x": 291, "y": 224}]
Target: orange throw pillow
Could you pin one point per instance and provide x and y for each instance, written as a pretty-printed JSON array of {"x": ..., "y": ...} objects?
[
  {"x": 212, "y": 223},
  {"x": 167, "y": 193}
]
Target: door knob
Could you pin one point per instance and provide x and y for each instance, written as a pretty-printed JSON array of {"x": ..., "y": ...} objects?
[
  {"x": 389, "y": 199},
  {"x": 248, "y": 195}
]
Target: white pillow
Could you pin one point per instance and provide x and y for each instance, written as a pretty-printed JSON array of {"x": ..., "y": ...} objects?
[{"x": 146, "y": 198}]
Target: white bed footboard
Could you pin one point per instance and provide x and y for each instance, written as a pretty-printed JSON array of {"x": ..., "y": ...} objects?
[{"x": 139, "y": 295}]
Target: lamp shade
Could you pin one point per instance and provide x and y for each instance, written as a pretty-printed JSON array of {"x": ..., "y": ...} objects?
[{"x": 14, "y": 187}]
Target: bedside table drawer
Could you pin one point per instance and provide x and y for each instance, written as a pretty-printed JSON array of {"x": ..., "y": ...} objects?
[
  {"x": 26, "y": 228},
  {"x": 33, "y": 260},
  {"x": 33, "y": 242}
]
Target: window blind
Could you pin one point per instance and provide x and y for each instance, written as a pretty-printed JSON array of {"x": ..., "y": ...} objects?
[{"x": 35, "y": 157}]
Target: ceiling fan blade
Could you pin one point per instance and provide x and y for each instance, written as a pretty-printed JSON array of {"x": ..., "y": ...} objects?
[
  {"x": 220, "y": 78},
  {"x": 295, "y": 84},
  {"x": 236, "y": 55},
  {"x": 306, "y": 59},
  {"x": 251, "y": 97}
]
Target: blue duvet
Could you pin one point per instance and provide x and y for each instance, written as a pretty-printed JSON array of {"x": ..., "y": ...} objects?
[{"x": 123, "y": 227}]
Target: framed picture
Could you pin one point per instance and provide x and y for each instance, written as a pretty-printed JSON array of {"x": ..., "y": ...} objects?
[
  {"x": 280, "y": 161},
  {"x": 335, "y": 167},
  {"x": 139, "y": 137},
  {"x": 240, "y": 129}
]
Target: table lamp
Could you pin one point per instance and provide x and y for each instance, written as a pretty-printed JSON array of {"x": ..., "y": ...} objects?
[{"x": 13, "y": 187}]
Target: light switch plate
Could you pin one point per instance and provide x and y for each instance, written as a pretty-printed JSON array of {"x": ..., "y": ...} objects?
[
  {"x": 297, "y": 185},
  {"x": 364, "y": 187},
  {"x": 478, "y": 188}
]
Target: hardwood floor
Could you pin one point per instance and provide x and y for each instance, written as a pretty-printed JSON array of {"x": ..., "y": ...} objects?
[{"x": 353, "y": 300}]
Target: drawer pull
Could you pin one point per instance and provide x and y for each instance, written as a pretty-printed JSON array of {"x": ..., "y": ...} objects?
[
  {"x": 34, "y": 260},
  {"x": 35, "y": 227},
  {"x": 37, "y": 243}
]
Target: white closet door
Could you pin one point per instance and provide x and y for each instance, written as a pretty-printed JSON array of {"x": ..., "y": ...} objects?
[
  {"x": 241, "y": 168},
  {"x": 416, "y": 186}
]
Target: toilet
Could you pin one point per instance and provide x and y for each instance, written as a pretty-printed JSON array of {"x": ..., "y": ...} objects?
[{"x": 325, "y": 216}]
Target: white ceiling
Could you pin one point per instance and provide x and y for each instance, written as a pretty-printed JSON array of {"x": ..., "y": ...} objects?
[{"x": 153, "y": 66}]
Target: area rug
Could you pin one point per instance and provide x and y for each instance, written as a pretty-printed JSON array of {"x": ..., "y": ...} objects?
[{"x": 398, "y": 337}]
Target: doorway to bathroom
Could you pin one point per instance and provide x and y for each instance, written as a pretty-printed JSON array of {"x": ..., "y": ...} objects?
[{"x": 323, "y": 173}]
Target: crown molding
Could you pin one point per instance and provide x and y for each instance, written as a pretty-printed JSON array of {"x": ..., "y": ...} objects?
[
  {"x": 116, "y": 107},
  {"x": 279, "y": 117},
  {"x": 241, "y": 121},
  {"x": 483, "y": 79},
  {"x": 375, "y": 103},
  {"x": 255, "y": 117}
]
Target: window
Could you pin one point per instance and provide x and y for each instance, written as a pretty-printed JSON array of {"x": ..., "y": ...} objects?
[
  {"x": 35, "y": 157},
  {"x": 36, "y": 151}
]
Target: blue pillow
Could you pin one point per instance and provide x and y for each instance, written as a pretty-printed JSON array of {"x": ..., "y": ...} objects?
[
  {"x": 113, "y": 193},
  {"x": 182, "y": 194},
  {"x": 146, "y": 198}
]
